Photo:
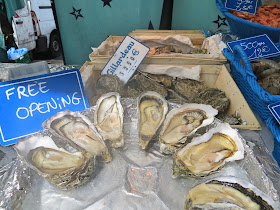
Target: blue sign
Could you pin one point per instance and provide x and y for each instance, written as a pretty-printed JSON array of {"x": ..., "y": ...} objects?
[
  {"x": 275, "y": 110},
  {"x": 256, "y": 47},
  {"x": 249, "y": 6},
  {"x": 26, "y": 103}
]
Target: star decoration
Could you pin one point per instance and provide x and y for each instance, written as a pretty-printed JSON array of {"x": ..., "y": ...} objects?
[
  {"x": 76, "y": 13},
  {"x": 221, "y": 21},
  {"x": 106, "y": 2}
]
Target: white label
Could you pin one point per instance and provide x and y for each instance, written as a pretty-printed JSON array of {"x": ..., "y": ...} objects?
[{"x": 126, "y": 59}]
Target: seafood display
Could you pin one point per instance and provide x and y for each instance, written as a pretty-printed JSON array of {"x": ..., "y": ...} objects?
[
  {"x": 181, "y": 123},
  {"x": 108, "y": 118},
  {"x": 268, "y": 75},
  {"x": 60, "y": 167},
  {"x": 208, "y": 153},
  {"x": 227, "y": 193},
  {"x": 78, "y": 131},
  {"x": 152, "y": 109},
  {"x": 268, "y": 15},
  {"x": 170, "y": 49}
]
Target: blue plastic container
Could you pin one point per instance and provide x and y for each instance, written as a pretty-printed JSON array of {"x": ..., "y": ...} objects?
[
  {"x": 256, "y": 96},
  {"x": 244, "y": 28}
]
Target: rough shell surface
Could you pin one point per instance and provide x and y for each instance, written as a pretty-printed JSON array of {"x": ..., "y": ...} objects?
[
  {"x": 78, "y": 130},
  {"x": 108, "y": 118}
]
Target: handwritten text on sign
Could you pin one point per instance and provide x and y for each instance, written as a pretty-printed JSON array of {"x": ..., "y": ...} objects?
[
  {"x": 249, "y": 6},
  {"x": 256, "y": 47},
  {"x": 275, "y": 110},
  {"x": 126, "y": 59},
  {"x": 27, "y": 103}
]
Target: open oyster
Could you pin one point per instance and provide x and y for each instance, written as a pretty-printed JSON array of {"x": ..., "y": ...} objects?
[
  {"x": 79, "y": 131},
  {"x": 60, "y": 167},
  {"x": 208, "y": 153},
  {"x": 182, "y": 122},
  {"x": 228, "y": 193},
  {"x": 152, "y": 109},
  {"x": 108, "y": 118}
]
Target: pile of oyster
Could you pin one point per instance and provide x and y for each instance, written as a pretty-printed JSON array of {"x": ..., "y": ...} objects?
[
  {"x": 268, "y": 75},
  {"x": 174, "y": 90},
  {"x": 168, "y": 49}
]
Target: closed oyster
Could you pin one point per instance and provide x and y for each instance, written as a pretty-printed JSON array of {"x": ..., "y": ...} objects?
[
  {"x": 182, "y": 122},
  {"x": 108, "y": 118},
  {"x": 228, "y": 193},
  {"x": 152, "y": 109},
  {"x": 60, "y": 167},
  {"x": 208, "y": 153},
  {"x": 79, "y": 131}
]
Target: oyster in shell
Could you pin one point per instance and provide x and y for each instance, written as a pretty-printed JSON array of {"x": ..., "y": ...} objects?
[
  {"x": 181, "y": 123},
  {"x": 60, "y": 167},
  {"x": 108, "y": 118},
  {"x": 228, "y": 193},
  {"x": 152, "y": 109},
  {"x": 79, "y": 131},
  {"x": 208, "y": 153}
]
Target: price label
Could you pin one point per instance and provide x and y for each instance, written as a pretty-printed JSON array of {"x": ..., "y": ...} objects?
[
  {"x": 126, "y": 59},
  {"x": 249, "y": 6},
  {"x": 256, "y": 47},
  {"x": 275, "y": 110}
]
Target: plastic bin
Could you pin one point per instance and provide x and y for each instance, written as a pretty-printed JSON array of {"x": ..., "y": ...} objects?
[
  {"x": 23, "y": 59},
  {"x": 255, "y": 95},
  {"x": 244, "y": 28}
]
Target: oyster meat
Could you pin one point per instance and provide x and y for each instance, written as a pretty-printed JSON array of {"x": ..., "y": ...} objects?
[
  {"x": 208, "y": 153},
  {"x": 181, "y": 123},
  {"x": 152, "y": 109},
  {"x": 79, "y": 131},
  {"x": 60, "y": 167},
  {"x": 228, "y": 193},
  {"x": 108, "y": 118}
]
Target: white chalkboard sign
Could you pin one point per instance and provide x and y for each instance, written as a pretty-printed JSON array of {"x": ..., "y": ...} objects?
[{"x": 27, "y": 103}]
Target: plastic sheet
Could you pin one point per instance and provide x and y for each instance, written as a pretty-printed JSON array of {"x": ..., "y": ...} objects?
[{"x": 135, "y": 179}]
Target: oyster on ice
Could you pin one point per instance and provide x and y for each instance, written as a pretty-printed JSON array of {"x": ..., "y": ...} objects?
[
  {"x": 79, "y": 131},
  {"x": 152, "y": 109},
  {"x": 60, "y": 167},
  {"x": 108, "y": 118},
  {"x": 228, "y": 193},
  {"x": 208, "y": 153},
  {"x": 182, "y": 122}
]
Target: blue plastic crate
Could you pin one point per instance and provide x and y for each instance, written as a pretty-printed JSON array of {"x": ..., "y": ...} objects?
[
  {"x": 256, "y": 96},
  {"x": 244, "y": 28}
]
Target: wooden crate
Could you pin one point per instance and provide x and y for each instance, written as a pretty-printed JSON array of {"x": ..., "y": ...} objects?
[
  {"x": 216, "y": 76},
  {"x": 197, "y": 38}
]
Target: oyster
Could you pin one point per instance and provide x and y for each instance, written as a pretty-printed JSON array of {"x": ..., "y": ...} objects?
[
  {"x": 214, "y": 97},
  {"x": 208, "y": 153},
  {"x": 152, "y": 109},
  {"x": 58, "y": 166},
  {"x": 182, "y": 122},
  {"x": 79, "y": 131},
  {"x": 108, "y": 118},
  {"x": 228, "y": 193}
]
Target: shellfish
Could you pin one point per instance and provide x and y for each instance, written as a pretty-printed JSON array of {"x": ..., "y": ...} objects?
[
  {"x": 228, "y": 193},
  {"x": 60, "y": 167},
  {"x": 108, "y": 118},
  {"x": 208, "y": 153},
  {"x": 152, "y": 109},
  {"x": 79, "y": 131},
  {"x": 182, "y": 122}
]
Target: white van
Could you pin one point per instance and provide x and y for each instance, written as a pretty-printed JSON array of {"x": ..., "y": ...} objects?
[{"x": 34, "y": 27}]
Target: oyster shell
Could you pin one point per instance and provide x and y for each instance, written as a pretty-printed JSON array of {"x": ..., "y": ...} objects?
[
  {"x": 152, "y": 109},
  {"x": 208, "y": 153},
  {"x": 228, "y": 193},
  {"x": 182, "y": 122},
  {"x": 108, "y": 118},
  {"x": 79, "y": 131},
  {"x": 60, "y": 167}
]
